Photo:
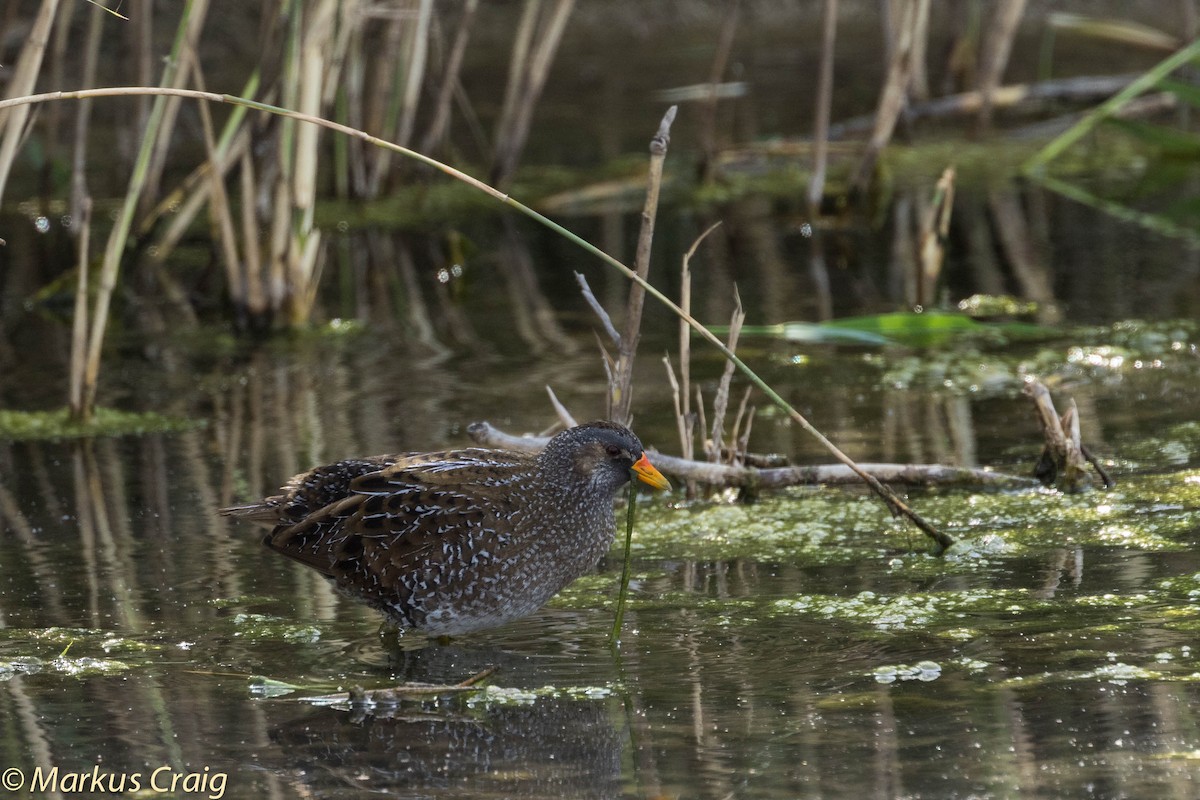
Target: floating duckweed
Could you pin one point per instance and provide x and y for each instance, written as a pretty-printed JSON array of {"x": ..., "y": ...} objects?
[
  {"x": 86, "y": 665},
  {"x": 23, "y": 665},
  {"x": 924, "y": 671},
  {"x": 238, "y": 600},
  {"x": 58, "y": 424},
  {"x": 961, "y": 634},
  {"x": 503, "y": 696},
  {"x": 904, "y": 612},
  {"x": 1121, "y": 673},
  {"x": 260, "y": 626},
  {"x": 827, "y": 527},
  {"x": 120, "y": 644}
]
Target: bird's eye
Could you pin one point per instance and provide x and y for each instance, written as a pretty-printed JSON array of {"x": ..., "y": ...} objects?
[{"x": 612, "y": 450}]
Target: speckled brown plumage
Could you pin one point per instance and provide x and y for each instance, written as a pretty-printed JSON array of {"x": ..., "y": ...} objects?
[{"x": 447, "y": 543}]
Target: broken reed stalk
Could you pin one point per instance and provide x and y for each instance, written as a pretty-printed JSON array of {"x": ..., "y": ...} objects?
[
  {"x": 1064, "y": 458},
  {"x": 894, "y": 503},
  {"x": 935, "y": 229},
  {"x": 685, "y": 420},
  {"x": 685, "y": 338},
  {"x": 622, "y": 403}
]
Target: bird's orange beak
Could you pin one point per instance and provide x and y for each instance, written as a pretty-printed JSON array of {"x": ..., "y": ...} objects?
[{"x": 648, "y": 475}]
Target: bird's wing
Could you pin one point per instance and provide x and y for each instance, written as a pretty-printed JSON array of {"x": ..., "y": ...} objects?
[
  {"x": 418, "y": 514},
  {"x": 310, "y": 491}
]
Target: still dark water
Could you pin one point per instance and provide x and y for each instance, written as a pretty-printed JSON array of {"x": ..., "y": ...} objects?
[{"x": 803, "y": 646}]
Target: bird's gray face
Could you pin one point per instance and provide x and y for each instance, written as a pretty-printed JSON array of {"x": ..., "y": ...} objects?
[
  {"x": 601, "y": 457},
  {"x": 606, "y": 465}
]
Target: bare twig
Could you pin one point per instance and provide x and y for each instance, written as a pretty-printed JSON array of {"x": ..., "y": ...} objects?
[
  {"x": 716, "y": 441},
  {"x": 605, "y": 319},
  {"x": 564, "y": 415}
]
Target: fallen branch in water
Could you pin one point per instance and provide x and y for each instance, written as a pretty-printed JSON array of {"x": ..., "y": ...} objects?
[{"x": 482, "y": 433}]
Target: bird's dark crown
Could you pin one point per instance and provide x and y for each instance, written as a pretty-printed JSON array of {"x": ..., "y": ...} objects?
[{"x": 599, "y": 445}]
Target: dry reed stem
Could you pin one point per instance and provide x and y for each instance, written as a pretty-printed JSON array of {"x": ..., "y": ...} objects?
[
  {"x": 735, "y": 438},
  {"x": 415, "y": 73},
  {"x": 436, "y": 134},
  {"x": 820, "y": 156},
  {"x": 80, "y": 317},
  {"x": 514, "y": 87},
  {"x": 23, "y": 80},
  {"x": 91, "y": 55},
  {"x": 252, "y": 267},
  {"x": 997, "y": 46},
  {"x": 115, "y": 248},
  {"x": 218, "y": 205},
  {"x": 193, "y": 21},
  {"x": 510, "y": 137},
  {"x": 410, "y": 55},
  {"x": 680, "y": 420},
  {"x": 891, "y": 98}
]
